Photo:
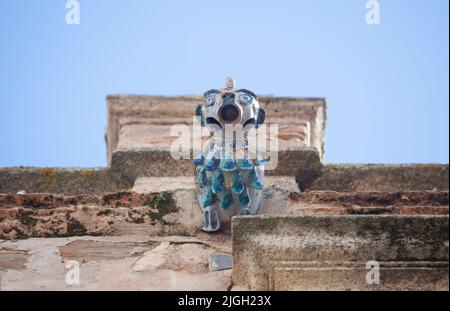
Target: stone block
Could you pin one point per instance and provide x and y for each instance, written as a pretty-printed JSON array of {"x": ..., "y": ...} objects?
[
  {"x": 218, "y": 262},
  {"x": 331, "y": 251},
  {"x": 138, "y": 134},
  {"x": 377, "y": 177}
]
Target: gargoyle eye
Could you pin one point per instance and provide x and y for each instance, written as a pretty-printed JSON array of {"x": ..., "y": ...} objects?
[
  {"x": 209, "y": 101},
  {"x": 245, "y": 98}
]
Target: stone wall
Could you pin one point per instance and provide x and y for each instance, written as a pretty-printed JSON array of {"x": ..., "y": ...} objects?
[
  {"x": 121, "y": 213},
  {"x": 318, "y": 225}
]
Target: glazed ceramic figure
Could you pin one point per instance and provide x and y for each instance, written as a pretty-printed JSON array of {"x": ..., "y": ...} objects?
[{"x": 228, "y": 176}]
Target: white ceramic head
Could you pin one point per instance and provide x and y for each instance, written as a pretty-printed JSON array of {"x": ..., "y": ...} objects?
[{"x": 237, "y": 107}]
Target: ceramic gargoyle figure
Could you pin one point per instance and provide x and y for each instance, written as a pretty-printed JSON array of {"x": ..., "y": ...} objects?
[{"x": 228, "y": 175}]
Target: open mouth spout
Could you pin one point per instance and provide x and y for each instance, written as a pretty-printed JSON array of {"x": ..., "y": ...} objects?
[
  {"x": 229, "y": 111},
  {"x": 229, "y": 114}
]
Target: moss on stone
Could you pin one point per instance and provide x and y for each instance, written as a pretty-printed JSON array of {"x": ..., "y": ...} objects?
[{"x": 163, "y": 203}]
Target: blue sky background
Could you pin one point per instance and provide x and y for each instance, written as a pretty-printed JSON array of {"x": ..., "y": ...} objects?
[{"x": 386, "y": 85}]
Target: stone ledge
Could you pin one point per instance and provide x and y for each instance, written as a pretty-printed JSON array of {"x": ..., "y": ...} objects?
[
  {"x": 377, "y": 177},
  {"x": 60, "y": 180},
  {"x": 369, "y": 198},
  {"x": 260, "y": 241},
  {"x": 310, "y": 175},
  {"x": 134, "y": 110},
  {"x": 354, "y": 203},
  {"x": 177, "y": 212},
  {"x": 156, "y": 184},
  {"x": 143, "y": 162},
  {"x": 348, "y": 275},
  {"x": 47, "y": 215}
]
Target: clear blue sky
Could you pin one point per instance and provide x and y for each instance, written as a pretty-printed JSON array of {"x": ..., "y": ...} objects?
[{"x": 386, "y": 85}]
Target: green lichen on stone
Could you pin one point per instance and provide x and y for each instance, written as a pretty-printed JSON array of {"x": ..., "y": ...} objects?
[{"x": 163, "y": 203}]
